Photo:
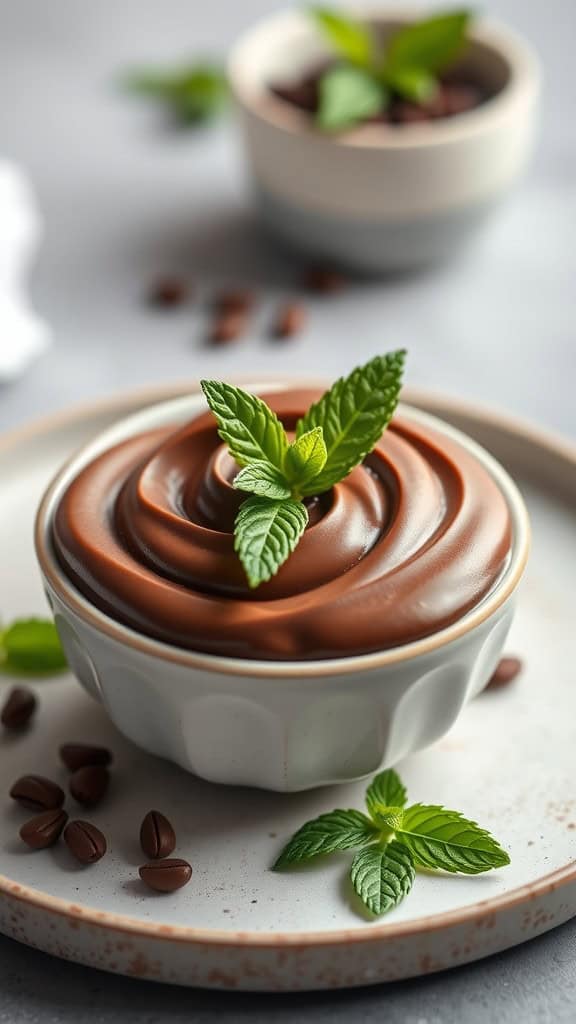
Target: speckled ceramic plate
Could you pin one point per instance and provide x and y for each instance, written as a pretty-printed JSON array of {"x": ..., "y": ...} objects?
[{"x": 509, "y": 762}]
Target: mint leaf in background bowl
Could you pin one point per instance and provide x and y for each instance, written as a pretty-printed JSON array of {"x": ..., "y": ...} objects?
[{"x": 31, "y": 646}]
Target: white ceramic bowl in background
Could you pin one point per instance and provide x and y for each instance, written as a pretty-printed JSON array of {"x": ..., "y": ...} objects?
[
  {"x": 278, "y": 725},
  {"x": 381, "y": 198}
]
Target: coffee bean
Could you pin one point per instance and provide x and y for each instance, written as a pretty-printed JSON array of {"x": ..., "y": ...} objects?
[
  {"x": 505, "y": 673},
  {"x": 88, "y": 785},
  {"x": 78, "y": 755},
  {"x": 324, "y": 281},
  {"x": 290, "y": 321},
  {"x": 168, "y": 292},
  {"x": 166, "y": 875},
  {"x": 239, "y": 300},
  {"x": 228, "y": 327},
  {"x": 18, "y": 709},
  {"x": 85, "y": 841},
  {"x": 37, "y": 792},
  {"x": 43, "y": 830},
  {"x": 157, "y": 837}
]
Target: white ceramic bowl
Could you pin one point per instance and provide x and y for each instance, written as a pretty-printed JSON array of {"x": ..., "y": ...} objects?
[
  {"x": 277, "y": 725},
  {"x": 381, "y": 198}
]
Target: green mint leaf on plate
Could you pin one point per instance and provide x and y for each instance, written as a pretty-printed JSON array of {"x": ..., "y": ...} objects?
[
  {"x": 348, "y": 95},
  {"x": 385, "y": 790},
  {"x": 353, "y": 414},
  {"x": 382, "y": 876},
  {"x": 31, "y": 646},
  {"x": 429, "y": 45},
  {"x": 351, "y": 39},
  {"x": 192, "y": 93},
  {"x": 266, "y": 533},
  {"x": 264, "y": 479},
  {"x": 438, "y": 838},
  {"x": 339, "y": 830},
  {"x": 305, "y": 458},
  {"x": 251, "y": 430},
  {"x": 415, "y": 84}
]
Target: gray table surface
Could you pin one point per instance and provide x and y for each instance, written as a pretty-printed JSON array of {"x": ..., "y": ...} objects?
[{"x": 123, "y": 199}]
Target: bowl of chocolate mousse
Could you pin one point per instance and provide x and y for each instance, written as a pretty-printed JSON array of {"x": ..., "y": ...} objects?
[{"x": 389, "y": 616}]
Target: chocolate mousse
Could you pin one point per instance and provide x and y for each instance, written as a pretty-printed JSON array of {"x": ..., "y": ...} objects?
[{"x": 404, "y": 546}]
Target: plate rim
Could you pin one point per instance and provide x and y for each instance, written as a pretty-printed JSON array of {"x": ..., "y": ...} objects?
[{"x": 548, "y": 440}]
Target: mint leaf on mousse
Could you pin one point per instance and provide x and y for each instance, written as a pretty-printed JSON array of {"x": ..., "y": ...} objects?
[
  {"x": 354, "y": 414},
  {"x": 394, "y": 842},
  {"x": 31, "y": 646},
  {"x": 266, "y": 533},
  {"x": 264, "y": 479},
  {"x": 251, "y": 430},
  {"x": 331, "y": 439}
]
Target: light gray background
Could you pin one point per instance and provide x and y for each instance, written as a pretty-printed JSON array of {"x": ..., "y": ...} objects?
[{"x": 123, "y": 199}]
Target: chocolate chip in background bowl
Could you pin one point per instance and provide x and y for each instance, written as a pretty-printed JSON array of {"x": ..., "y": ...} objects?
[
  {"x": 37, "y": 793},
  {"x": 290, "y": 320},
  {"x": 44, "y": 830},
  {"x": 89, "y": 784},
  {"x": 85, "y": 842},
  {"x": 507, "y": 670},
  {"x": 166, "y": 875},
  {"x": 18, "y": 709},
  {"x": 157, "y": 836},
  {"x": 79, "y": 755}
]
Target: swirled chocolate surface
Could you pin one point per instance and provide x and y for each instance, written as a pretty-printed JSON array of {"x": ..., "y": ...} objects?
[{"x": 404, "y": 546}]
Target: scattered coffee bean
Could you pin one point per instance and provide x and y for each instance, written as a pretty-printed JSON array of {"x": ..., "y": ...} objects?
[
  {"x": 239, "y": 300},
  {"x": 88, "y": 785},
  {"x": 228, "y": 327},
  {"x": 290, "y": 321},
  {"x": 85, "y": 841},
  {"x": 325, "y": 282},
  {"x": 38, "y": 793},
  {"x": 168, "y": 292},
  {"x": 505, "y": 673},
  {"x": 43, "y": 830},
  {"x": 166, "y": 875},
  {"x": 78, "y": 755},
  {"x": 157, "y": 837},
  {"x": 19, "y": 707}
]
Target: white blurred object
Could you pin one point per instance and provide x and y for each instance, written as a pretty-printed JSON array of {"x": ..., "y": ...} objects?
[{"x": 23, "y": 336}]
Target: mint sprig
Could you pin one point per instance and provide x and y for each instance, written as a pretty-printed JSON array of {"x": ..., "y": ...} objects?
[
  {"x": 393, "y": 842},
  {"x": 332, "y": 438},
  {"x": 368, "y": 76},
  {"x": 31, "y": 647},
  {"x": 192, "y": 93}
]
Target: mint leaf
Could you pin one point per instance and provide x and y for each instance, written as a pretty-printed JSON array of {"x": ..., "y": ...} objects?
[
  {"x": 338, "y": 830},
  {"x": 251, "y": 430},
  {"x": 389, "y": 819},
  {"x": 414, "y": 84},
  {"x": 353, "y": 415},
  {"x": 348, "y": 95},
  {"x": 429, "y": 45},
  {"x": 305, "y": 458},
  {"x": 31, "y": 645},
  {"x": 192, "y": 93},
  {"x": 445, "y": 839},
  {"x": 264, "y": 479},
  {"x": 266, "y": 533},
  {"x": 385, "y": 790},
  {"x": 350, "y": 38},
  {"x": 382, "y": 876}
]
